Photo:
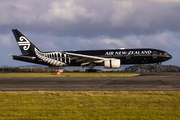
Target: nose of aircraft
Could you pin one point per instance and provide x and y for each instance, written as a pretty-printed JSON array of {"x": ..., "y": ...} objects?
[{"x": 169, "y": 56}]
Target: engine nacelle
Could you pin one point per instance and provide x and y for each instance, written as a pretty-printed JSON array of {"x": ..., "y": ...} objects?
[{"x": 112, "y": 63}]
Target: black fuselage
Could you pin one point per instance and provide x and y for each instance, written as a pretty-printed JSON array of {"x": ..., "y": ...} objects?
[{"x": 127, "y": 56}]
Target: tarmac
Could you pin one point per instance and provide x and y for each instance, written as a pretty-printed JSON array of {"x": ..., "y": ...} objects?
[{"x": 143, "y": 82}]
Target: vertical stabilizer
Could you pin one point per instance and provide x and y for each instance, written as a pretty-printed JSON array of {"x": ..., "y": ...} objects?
[{"x": 25, "y": 45}]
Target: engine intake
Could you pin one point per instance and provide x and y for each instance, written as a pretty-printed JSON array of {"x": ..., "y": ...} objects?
[{"x": 112, "y": 63}]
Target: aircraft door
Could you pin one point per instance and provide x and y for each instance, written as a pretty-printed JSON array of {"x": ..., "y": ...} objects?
[{"x": 154, "y": 54}]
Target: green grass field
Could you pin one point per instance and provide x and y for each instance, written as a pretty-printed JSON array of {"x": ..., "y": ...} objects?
[
  {"x": 90, "y": 105},
  {"x": 68, "y": 75}
]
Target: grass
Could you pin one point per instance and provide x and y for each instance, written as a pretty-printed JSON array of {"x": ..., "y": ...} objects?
[
  {"x": 91, "y": 105},
  {"x": 68, "y": 75}
]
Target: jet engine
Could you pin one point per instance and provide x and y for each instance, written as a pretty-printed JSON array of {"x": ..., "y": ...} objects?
[{"x": 112, "y": 63}]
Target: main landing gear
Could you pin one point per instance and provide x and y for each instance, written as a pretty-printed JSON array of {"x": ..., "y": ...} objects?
[{"x": 91, "y": 66}]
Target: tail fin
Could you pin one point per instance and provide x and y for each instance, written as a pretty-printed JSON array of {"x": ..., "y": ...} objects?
[{"x": 25, "y": 45}]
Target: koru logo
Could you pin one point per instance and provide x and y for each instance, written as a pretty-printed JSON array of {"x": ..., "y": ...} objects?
[{"x": 24, "y": 42}]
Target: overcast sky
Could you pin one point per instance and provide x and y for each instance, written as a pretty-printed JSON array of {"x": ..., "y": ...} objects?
[{"x": 90, "y": 24}]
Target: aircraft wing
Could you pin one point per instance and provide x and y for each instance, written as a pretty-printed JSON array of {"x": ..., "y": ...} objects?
[{"x": 85, "y": 59}]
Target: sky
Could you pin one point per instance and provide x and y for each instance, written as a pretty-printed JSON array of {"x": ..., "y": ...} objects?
[{"x": 55, "y": 25}]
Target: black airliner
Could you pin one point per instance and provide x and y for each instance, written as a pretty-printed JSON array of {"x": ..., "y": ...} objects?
[{"x": 111, "y": 58}]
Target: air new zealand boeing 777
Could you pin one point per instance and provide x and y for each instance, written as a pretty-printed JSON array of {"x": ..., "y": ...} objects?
[{"x": 108, "y": 58}]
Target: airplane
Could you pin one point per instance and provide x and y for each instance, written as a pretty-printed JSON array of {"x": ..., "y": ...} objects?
[{"x": 110, "y": 58}]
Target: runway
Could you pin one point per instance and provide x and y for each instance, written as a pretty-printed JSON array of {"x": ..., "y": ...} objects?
[{"x": 143, "y": 82}]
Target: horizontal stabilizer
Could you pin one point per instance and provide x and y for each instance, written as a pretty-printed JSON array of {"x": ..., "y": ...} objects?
[{"x": 21, "y": 56}]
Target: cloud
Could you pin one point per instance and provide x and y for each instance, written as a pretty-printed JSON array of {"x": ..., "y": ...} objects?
[
  {"x": 128, "y": 21},
  {"x": 122, "y": 10},
  {"x": 163, "y": 41},
  {"x": 102, "y": 24},
  {"x": 90, "y": 18},
  {"x": 165, "y": 1},
  {"x": 6, "y": 42},
  {"x": 66, "y": 11}
]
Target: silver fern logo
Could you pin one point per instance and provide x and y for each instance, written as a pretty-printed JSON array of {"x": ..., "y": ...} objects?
[
  {"x": 54, "y": 58},
  {"x": 24, "y": 42}
]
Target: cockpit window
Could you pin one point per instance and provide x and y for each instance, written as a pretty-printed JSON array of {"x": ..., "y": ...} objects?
[{"x": 165, "y": 53}]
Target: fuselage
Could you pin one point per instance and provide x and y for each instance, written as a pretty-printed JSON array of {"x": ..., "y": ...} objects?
[{"x": 128, "y": 56}]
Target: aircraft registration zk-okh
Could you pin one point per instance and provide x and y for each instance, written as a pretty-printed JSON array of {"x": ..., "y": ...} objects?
[{"x": 108, "y": 58}]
